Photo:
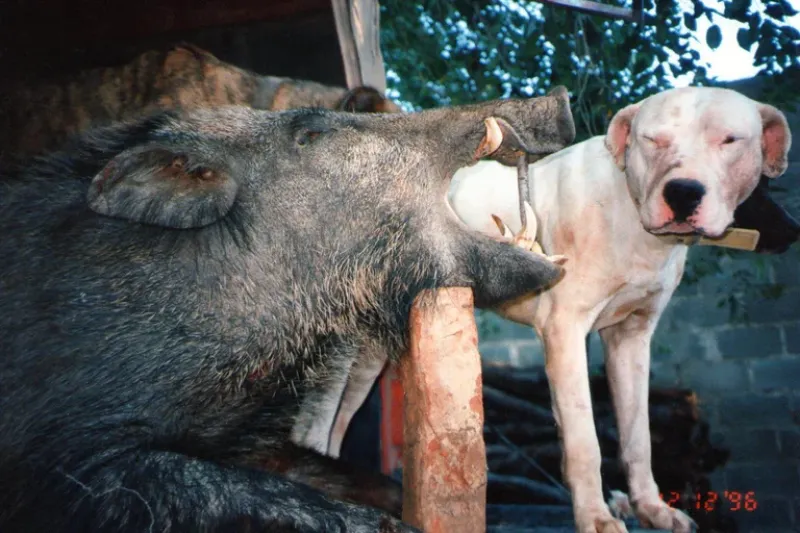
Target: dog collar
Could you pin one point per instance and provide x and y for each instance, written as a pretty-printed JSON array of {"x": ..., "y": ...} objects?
[{"x": 736, "y": 238}]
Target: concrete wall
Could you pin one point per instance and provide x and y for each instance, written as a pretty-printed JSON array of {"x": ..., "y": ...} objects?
[{"x": 745, "y": 369}]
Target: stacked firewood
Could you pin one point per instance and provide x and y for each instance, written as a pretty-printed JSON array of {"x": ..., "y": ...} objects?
[{"x": 524, "y": 455}]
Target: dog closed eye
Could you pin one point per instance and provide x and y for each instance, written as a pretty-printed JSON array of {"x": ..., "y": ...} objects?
[{"x": 658, "y": 141}]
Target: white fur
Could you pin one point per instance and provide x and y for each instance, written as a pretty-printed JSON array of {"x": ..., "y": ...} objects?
[
  {"x": 619, "y": 276},
  {"x": 615, "y": 270}
]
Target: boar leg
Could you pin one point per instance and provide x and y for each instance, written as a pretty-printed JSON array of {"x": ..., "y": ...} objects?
[
  {"x": 165, "y": 491},
  {"x": 334, "y": 477}
]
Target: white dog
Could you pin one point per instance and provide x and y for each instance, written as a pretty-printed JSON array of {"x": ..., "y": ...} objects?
[{"x": 679, "y": 162}]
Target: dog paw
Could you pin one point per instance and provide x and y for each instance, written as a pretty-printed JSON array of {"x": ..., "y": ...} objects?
[
  {"x": 609, "y": 525},
  {"x": 661, "y": 516},
  {"x": 620, "y": 505},
  {"x": 600, "y": 521}
]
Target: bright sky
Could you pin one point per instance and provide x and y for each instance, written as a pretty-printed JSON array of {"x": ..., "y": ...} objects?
[{"x": 729, "y": 61}]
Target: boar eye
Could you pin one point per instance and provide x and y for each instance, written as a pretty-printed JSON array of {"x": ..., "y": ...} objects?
[
  {"x": 730, "y": 139},
  {"x": 307, "y": 136}
]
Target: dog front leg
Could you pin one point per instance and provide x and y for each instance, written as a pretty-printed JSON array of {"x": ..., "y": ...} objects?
[
  {"x": 363, "y": 375},
  {"x": 314, "y": 421},
  {"x": 568, "y": 375},
  {"x": 627, "y": 348}
]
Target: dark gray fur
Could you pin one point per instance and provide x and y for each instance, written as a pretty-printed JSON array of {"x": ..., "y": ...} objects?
[{"x": 128, "y": 400}]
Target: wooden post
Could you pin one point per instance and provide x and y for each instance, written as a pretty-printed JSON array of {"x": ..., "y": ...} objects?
[
  {"x": 444, "y": 456},
  {"x": 358, "y": 24}
]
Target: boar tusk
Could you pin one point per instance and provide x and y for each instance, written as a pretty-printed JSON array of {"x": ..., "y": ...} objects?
[
  {"x": 491, "y": 141},
  {"x": 505, "y": 230}
]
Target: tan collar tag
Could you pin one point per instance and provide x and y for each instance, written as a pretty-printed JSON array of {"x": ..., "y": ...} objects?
[{"x": 736, "y": 238}]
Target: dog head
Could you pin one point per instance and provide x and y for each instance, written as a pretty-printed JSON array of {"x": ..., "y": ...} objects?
[{"x": 693, "y": 155}]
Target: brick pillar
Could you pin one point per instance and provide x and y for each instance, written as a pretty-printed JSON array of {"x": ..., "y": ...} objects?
[{"x": 444, "y": 457}]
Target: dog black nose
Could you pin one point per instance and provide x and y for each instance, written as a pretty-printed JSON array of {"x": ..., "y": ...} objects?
[{"x": 683, "y": 196}]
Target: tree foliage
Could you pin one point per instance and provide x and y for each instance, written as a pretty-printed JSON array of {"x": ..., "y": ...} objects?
[
  {"x": 449, "y": 52},
  {"x": 444, "y": 52}
]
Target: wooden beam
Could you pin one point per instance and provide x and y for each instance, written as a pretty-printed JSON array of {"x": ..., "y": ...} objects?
[
  {"x": 633, "y": 14},
  {"x": 444, "y": 456},
  {"x": 35, "y": 23},
  {"x": 358, "y": 27}
]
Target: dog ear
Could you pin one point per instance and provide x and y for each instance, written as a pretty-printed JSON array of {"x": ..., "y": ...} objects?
[
  {"x": 776, "y": 139},
  {"x": 618, "y": 132},
  {"x": 777, "y": 228},
  {"x": 163, "y": 187},
  {"x": 367, "y": 100}
]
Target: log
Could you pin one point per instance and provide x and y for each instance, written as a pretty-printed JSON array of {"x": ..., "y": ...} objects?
[
  {"x": 519, "y": 489},
  {"x": 444, "y": 457},
  {"x": 530, "y": 410},
  {"x": 518, "y": 431}
]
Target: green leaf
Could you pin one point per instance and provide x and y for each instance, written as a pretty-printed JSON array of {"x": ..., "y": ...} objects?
[
  {"x": 754, "y": 21},
  {"x": 593, "y": 37},
  {"x": 699, "y": 9},
  {"x": 689, "y": 21},
  {"x": 737, "y": 10},
  {"x": 745, "y": 38},
  {"x": 714, "y": 36},
  {"x": 788, "y": 9},
  {"x": 775, "y": 10}
]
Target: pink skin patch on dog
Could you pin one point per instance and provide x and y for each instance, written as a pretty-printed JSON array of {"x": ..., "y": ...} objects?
[
  {"x": 663, "y": 214},
  {"x": 664, "y": 220}
]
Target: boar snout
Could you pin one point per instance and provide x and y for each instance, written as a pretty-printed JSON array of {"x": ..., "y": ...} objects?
[
  {"x": 503, "y": 144},
  {"x": 565, "y": 124},
  {"x": 503, "y": 130}
]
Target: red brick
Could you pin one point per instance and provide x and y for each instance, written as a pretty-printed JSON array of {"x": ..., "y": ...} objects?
[{"x": 444, "y": 456}]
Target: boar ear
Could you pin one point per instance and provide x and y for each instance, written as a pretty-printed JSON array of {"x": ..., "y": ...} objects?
[
  {"x": 366, "y": 100},
  {"x": 163, "y": 187},
  {"x": 189, "y": 51},
  {"x": 778, "y": 230},
  {"x": 776, "y": 139},
  {"x": 559, "y": 92},
  {"x": 618, "y": 132}
]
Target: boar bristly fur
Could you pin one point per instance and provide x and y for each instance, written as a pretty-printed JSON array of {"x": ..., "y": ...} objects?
[{"x": 171, "y": 287}]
